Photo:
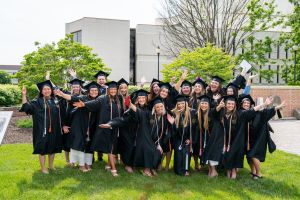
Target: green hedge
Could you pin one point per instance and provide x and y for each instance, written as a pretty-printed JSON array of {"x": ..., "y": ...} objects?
[
  {"x": 133, "y": 88},
  {"x": 24, "y": 123},
  {"x": 9, "y": 95}
]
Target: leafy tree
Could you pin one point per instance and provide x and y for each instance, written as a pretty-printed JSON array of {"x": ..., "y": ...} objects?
[
  {"x": 202, "y": 62},
  {"x": 58, "y": 59},
  {"x": 4, "y": 77},
  {"x": 292, "y": 39}
]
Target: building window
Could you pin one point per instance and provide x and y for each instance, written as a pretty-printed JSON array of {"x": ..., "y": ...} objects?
[{"x": 77, "y": 36}]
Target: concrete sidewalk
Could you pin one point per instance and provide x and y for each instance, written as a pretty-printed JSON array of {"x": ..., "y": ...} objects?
[{"x": 287, "y": 135}]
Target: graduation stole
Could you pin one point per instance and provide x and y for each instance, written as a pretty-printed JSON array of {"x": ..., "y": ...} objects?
[
  {"x": 47, "y": 106},
  {"x": 226, "y": 146},
  {"x": 162, "y": 128},
  {"x": 248, "y": 136}
]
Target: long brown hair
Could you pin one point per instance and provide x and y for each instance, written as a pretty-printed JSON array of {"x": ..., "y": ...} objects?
[{"x": 152, "y": 95}]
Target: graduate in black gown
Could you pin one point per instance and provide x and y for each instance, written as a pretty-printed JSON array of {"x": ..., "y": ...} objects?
[
  {"x": 127, "y": 136},
  {"x": 231, "y": 124},
  {"x": 82, "y": 128},
  {"x": 68, "y": 110},
  {"x": 107, "y": 107},
  {"x": 47, "y": 127},
  {"x": 167, "y": 93},
  {"x": 147, "y": 154},
  {"x": 184, "y": 125},
  {"x": 199, "y": 89},
  {"x": 258, "y": 134},
  {"x": 203, "y": 128}
]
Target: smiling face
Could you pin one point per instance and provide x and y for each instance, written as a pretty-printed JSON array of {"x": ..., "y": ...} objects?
[
  {"x": 246, "y": 105},
  {"x": 198, "y": 88},
  {"x": 185, "y": 90},
  {"x": 204, "y": 105},
  {"x": 112, "y": 91},
  {"x": 155, "y": 88},
  {"x": 101, "y": 80},
  {"x": 46, "y": 91},
  {"x": 94, "y": 92},
  {"x": 164, "y": 93},
  {"x": 75, "y": 89},
  {"x": 230, "y": 91},
  {"x": 180, "y": 105},
  {"x": 141, "y": 100},
  {"x": 123, "y": 88},
  {"x": 230, "y": 105},
  {"x": 159, "y": 108},
  {"x": 214, "y": 85}
]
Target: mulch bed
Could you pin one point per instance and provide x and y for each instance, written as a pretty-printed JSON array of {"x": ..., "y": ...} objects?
[{"x": 13, "y": 133}]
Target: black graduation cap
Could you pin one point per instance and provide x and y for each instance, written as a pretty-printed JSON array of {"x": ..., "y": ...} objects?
[
  {"x": 199, "y": 80},
  {"x": 217, "y": 78},
  {"x": 242, "y": 98},
  {"x": 230, "y": 97},
  {"x": 112, "y": 84},
  {"x": 141, "y": 92},
  {"x": 101, "y": 73},
  {"x": 165, "y": 85},
  {"x": 155, "y": 81},
  {"x": 233, "y": 85},
  {"x": 92, "y": 84},
  {"x": 204, "y": 98},
  {"x": 76, "y": 81},
  {"x": 155, "y": 101},
  {"x": 186, "y": 83},
  {"x": 180, "y": 98},
  {"x": 42, "y": 84},
  {"x": 122, "y": 80}
]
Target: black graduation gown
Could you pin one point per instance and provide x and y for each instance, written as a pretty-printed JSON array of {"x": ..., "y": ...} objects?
[
  {"x": 105, "y": 140},
  {"x": 146, "y": 154},
  {"x": 235, "y": 151},
  {"x": 182, "y": 151},
  {"x": 214, "y": 149},
  {"x": 203, "y": 139},
  {"x": 126, "y": 141},
  {"x": 69, "y": 110},
  {"x": 82, "y": 129},
  {"x": 161, "y": 132},
  {"x": 260, "y": 134},
  {"x": 45, "y": 141},
  {"x": 102, "y": 90}
]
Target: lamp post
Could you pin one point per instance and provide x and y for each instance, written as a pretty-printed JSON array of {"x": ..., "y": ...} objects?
[
  {"x": 158, "y": 53},
  {"x": 295, "y": 48}
]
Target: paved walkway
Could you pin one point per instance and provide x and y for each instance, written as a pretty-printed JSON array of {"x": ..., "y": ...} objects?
[{"x": 287, "y": 135}]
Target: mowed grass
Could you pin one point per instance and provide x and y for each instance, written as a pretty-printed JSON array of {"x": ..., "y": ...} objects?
[{"x": 20, "y": 178}]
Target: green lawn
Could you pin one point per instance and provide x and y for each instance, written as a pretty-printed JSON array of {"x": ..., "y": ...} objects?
[{"x": 20, "y": 178}]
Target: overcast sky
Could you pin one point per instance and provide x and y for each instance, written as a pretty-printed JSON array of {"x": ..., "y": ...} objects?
[{"x": 24, "y": 21}]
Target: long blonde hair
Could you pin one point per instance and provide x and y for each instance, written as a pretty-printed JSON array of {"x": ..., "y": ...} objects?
[{"x": 187, "y": 115}]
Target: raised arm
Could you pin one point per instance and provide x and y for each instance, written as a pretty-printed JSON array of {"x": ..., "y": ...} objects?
[{"x": 182, "y": 78}]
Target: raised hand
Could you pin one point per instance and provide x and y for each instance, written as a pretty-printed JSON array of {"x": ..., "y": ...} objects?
[
  {"x": 170, "y": 119},
  {"x": 269, "y": 101},
  {"x": 184, "y": 74},
  {"x": 79, "y": 104},
  {"x": 24, "y": 91},
  {"x": 47, "y": 75},
  {"x": 72, "y": 73}
]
